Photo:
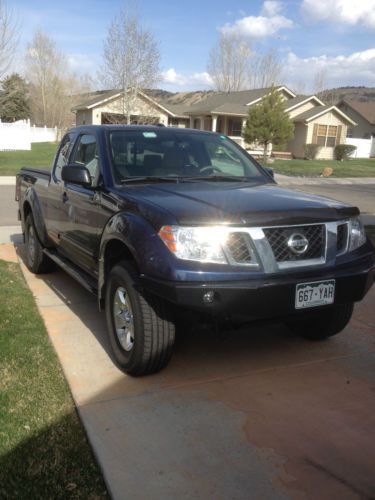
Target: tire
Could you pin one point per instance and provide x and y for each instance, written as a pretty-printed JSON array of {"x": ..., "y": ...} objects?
[
  {"x": 36, "y": 260},
  {"x": 324, "y": 324},
  {"x": 142, "y": 338}
]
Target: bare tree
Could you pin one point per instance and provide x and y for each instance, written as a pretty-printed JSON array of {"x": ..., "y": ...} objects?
[
  {"x": 228, "y": 62},
  {"x": 265, "y": 70},
  {"x": 131, "y": 59},
  {"x": 53, "y": 87},
  {"x": 320, "y": 86},
  {"x": 8, "y": 37}
]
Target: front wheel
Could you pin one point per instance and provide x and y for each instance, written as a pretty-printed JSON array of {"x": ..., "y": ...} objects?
[
  {"x": 140, "y": 328},
  {"x": 323, "y": 324}
]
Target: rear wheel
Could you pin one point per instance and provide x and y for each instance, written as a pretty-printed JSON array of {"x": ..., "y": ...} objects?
[
  {"x": 140, "y": 326},
  {"x": 36, "y": 260},
  {"x": 324, "y": 324}
]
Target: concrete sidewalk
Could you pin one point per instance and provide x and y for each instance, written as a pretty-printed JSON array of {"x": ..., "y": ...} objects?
[{"x": 252, "y": 413}]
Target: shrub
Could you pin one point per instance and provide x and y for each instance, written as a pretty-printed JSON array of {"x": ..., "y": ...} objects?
[
  {"x": 311, "y": 151},
  {"x": 343, "y": 151}
]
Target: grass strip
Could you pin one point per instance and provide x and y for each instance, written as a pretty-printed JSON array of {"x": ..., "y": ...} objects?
[
  {"x": 313, "y": 168},
  {"x": 40, "y": 156},
  {"x": 44, "y": 452}
]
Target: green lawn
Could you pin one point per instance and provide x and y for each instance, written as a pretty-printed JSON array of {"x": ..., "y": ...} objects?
[
  {"x": 40, "y": 156},
  {"x": 44, "y": 452},
  {"x": 313, "y": 168}
]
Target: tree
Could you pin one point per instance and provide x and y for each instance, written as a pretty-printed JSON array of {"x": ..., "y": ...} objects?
[
  {"x": 229, "y": 63},
  {"x": 233, "y": 66},
  {"x": 8, "y": 37},
  {"x": 265, "y": 70},
  {"x": 14, "y": 102},
  {"x": 131, "y": 59},
  {"x": 53, "y": 87},
  {"x": 268, "y": 122}
]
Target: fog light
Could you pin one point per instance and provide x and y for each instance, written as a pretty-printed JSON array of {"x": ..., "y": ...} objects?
[{"x": 209, "y": 297}]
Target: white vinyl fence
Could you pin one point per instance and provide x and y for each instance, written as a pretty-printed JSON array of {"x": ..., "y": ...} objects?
[
  {"x": 365, "y": 147},
  {"x": 20, "y": 135}
]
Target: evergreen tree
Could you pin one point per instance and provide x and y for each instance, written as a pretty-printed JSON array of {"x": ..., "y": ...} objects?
[
  {"x": 14, "y": 103},
  {"x": 268, "y": 122}
]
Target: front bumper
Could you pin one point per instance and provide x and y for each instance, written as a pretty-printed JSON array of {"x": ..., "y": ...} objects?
[{"x": 270, "y": 297}]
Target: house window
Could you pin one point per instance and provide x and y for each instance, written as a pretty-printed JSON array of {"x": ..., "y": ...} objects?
[
  {"x": 234, "y": 127},
  {"x": 326, "y": 135}
]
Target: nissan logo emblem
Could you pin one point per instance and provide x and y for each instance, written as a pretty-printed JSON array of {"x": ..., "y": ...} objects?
[{"x": 297, "y": 243}]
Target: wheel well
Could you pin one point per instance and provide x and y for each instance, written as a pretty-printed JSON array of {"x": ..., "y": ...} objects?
[
  {"x": 115, "y": 251},
  {"x": 26, "y": 209}
]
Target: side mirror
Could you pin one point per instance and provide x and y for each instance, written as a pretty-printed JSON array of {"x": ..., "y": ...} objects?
[
  {"x": 76, "y": 174},
  {"x": 270, "y": 171}
]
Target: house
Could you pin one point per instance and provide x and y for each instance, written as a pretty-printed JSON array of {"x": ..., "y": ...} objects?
[
  {"x": 363, "y": 113},
  {"x": 227, "y": 113},
  {"x": 106, "y": 107}
]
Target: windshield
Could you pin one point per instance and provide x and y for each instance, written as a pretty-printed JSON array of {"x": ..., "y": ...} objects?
[{"x": 163, "y": 153}]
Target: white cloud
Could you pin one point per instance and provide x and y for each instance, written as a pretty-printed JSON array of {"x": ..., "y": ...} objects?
[
  {"x": 268, "y": 23},
  {"x": 81, "y": 63},
  {"x": 341, "y": 11},
  {"x": 271, "y": 8},
  {"x": 355, "y": 69},
  {"x": 179, "y": 80}
]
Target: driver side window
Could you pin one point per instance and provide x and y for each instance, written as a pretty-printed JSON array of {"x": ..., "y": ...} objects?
[{"x": 86, "y": 154}]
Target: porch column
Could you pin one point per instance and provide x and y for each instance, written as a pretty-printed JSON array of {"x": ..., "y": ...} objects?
[
  {"x": 201, "y": 123},
  {"x": 214, "y": 123},
  {"x": 191, "y": 121}
]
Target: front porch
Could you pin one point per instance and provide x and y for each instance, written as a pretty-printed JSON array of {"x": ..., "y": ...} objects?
[{"x": 230, "y": 125}]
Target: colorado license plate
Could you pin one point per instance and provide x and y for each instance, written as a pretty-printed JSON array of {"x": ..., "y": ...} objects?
[{"x": 317, "y": 293}]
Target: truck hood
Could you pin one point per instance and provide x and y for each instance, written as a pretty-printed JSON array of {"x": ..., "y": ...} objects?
[{"x": 238, "y": 203}]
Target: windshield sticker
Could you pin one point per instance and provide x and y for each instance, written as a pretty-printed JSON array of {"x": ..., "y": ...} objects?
[
  {"x": 149, "y": 135},
  {"x": 223, "y": 137}
]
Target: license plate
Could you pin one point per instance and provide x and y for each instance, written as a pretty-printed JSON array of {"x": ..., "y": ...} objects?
[{"x": 317, "y": 293}]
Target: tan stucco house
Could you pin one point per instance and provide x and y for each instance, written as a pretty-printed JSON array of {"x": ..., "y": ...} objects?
[{"x": 227, "y": 113}]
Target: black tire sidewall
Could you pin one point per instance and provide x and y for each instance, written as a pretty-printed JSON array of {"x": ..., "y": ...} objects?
[
  {"x": 123, "y": 276},
  {"x": 33, "y": 266}
]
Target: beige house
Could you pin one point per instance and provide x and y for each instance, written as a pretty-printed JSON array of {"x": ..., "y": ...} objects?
[
  {"x": 227, "y": 113},
  {"x": 364, "y": 114},
  {"x": 106, "y": 107}
]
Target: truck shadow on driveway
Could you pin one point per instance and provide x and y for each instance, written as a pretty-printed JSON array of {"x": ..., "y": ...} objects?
[{"x": 254, "y": 409}]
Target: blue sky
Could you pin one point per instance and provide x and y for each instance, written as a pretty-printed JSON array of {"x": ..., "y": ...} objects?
[{"x": 310, "y": 35}]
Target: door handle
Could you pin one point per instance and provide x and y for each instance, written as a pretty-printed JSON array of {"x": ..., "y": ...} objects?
[{"x": 64, "y": 197}]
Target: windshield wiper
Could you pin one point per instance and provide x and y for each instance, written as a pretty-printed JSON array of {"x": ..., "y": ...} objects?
[{"x": 150, "y": 178}]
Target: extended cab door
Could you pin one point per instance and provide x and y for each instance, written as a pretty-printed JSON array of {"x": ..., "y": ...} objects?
[{"x": 84, "y": 218}]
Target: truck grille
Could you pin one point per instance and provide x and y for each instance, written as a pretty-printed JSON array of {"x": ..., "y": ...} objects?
[
  {"x": 237, "y": 245},
  {"x": 280, "y": 239}
]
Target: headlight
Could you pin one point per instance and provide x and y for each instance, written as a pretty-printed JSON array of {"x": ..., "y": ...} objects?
[
  {"x": 357, "y": 234},
  {"x": 204, "y": 244}
]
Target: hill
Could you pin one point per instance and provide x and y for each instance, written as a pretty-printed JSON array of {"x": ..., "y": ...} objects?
[{"x": 352, "y": 93}]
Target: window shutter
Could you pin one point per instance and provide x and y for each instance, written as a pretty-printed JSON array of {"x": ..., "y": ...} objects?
[
  {"x": 338, "y": 138},
  {"x": 315, "y": 134}
]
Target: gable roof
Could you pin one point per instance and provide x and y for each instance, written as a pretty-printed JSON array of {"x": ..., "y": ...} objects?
[
  {"x": 365, "y": 109},
  {"x": 101, "y": 97},
  {"x": 313, "y": 113},
  {"x": 232, "y": 102},
  {"x": 302, "y": 99}
]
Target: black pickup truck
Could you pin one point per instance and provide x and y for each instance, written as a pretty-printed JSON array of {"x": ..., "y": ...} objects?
[{"x": 156, "y": 220}]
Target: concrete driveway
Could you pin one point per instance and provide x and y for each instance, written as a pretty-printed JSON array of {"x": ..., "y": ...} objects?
[{"x": 253, "y": 413}]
